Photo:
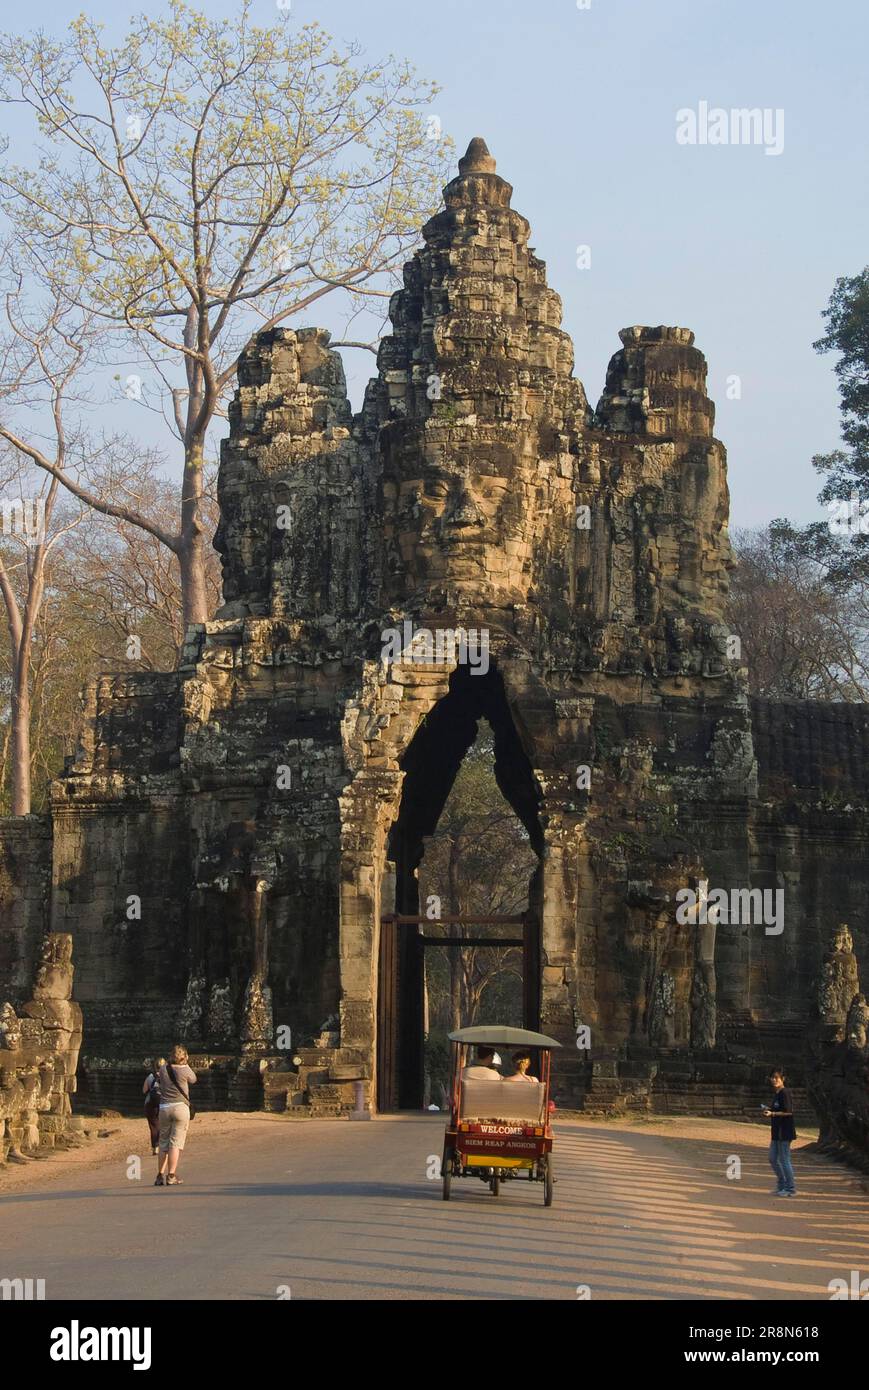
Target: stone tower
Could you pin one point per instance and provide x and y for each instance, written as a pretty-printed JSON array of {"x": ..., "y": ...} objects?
[{"x": 268, "y": 802}]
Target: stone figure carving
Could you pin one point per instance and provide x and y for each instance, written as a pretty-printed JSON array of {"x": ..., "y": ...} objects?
[
  {"x": 839, "y": 980},
  {"x": 857, "y": 1023},
  {"x": 38, "y": 1057},
  {"x": 838, "y": 1054}
]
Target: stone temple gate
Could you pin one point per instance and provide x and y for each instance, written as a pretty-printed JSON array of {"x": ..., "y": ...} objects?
[{"x": 267, "y": 803}]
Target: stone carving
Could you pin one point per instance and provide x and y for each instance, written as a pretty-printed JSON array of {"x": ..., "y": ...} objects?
[
  {"x": 190, "y": 1016},
  {"x": 257, "y": 1030},
  {"x": 704, "y": 1017},
  {"x": 857, "y": 1023},
  {"x": 661, "y": 1030},
  {"x": 38, "y": 1057},
  {"x": 219, "y": 1015},
  {"x": 839, "y": 1055},
  {"x": 839, "y": 980},
  {"x": 10, "y": 1028}
]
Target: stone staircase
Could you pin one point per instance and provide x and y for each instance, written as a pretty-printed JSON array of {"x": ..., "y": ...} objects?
[{"x": 322, "y": 1086}]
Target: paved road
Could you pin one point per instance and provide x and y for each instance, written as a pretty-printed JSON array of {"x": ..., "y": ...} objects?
[{"x": 338, "y": 1210}]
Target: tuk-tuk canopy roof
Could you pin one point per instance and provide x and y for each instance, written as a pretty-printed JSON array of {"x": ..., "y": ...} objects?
[{"x": 492, "y": 1035}]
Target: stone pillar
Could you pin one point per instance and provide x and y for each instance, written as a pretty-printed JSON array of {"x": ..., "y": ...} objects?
[
  {"x": 561, "y": 887},
  {"x": 257, "y": 1029},
  {"x": 368, "y": 808}
]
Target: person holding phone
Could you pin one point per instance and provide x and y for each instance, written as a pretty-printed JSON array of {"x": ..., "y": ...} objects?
[{"x": 783, "y": 1132}]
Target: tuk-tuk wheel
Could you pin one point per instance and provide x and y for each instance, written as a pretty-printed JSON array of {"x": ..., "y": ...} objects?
[
  {"x": 548, "y": 1182},
  {"x": 495, "y": 1183},
  {"x": 447, "y": 1172}
]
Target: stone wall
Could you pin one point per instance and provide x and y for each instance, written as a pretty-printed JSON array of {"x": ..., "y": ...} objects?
[
  {"x": 25, "y": 900},
  {"x": 39, "y": 1047}
]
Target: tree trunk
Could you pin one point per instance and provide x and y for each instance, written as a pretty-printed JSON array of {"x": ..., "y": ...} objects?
[
  {"x": 455, "y": 933},
  {"x": 21, "y": 733},
  {"x": 4, "y": 760},
  {"x": 191, "y": 553},
  {"x": 455, "y": 981}
]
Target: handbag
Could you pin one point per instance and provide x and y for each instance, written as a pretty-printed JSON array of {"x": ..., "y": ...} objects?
[{"x": 178, "y": 1087}]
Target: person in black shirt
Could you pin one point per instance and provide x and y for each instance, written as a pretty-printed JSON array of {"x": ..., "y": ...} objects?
[{"x": 781, "y": 1115}]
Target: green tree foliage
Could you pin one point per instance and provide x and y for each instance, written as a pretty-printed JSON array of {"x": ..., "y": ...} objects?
[
  {"x": 842, "y": 551},
  {"x": 847, "y": 316}
]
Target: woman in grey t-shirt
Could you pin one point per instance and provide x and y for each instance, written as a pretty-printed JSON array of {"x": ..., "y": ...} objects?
[{"x": 174, "y": 1080}]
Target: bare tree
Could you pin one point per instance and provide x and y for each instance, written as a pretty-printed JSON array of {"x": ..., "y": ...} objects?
[
  {"x": 210, "y": 178},
  {"x": 74, "y": 580},
  {"x": 60, "y": 664},
  {"x": 804, "y": 635},
  {"x": 28, "y": 514},
  {"x": 41, "y": 358},
  {"x": 127, "y": 582}
]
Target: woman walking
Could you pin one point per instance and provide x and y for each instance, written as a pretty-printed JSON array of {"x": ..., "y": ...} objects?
[{"x": 174, "y": 1079}]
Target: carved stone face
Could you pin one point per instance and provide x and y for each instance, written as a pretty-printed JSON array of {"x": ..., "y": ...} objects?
[
  {"x": 10, "y": 1028},
  {"x": 454, "y": 517},
  {"x": 842, "y": 940}
]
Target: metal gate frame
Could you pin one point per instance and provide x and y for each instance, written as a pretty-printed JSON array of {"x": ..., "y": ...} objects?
[{"x": 400, "y": 978}]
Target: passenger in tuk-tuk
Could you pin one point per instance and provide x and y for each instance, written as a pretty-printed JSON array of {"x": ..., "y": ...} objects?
[
  {"x": 522, "y": 1061},
  {"x": 484, "y": 1070}
]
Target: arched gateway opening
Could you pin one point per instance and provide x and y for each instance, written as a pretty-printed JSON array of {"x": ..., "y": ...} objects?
[{"x": 431, "y": 764}]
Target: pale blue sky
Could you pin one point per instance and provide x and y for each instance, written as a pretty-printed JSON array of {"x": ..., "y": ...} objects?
[{"x": 579, "y": 109}]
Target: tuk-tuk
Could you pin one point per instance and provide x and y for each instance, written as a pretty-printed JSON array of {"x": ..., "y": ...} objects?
[{"x": 499, "y": 1128}]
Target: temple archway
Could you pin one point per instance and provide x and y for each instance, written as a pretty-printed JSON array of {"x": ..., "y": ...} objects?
[{"x": 430, "y": 765}]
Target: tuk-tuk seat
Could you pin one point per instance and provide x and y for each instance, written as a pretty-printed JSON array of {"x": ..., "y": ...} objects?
[{"x": 502, "y": 1100}]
